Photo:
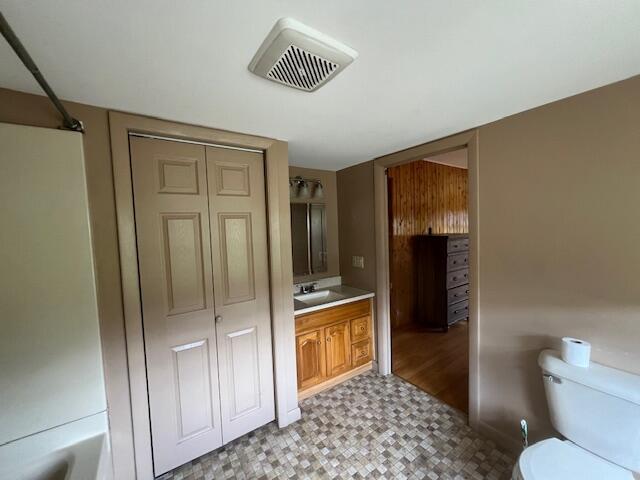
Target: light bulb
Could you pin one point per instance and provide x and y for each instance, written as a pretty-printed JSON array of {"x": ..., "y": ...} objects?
[{"x": 319, "y": 191}]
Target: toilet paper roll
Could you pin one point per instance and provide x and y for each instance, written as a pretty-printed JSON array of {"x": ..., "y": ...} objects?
[{"x": 576, "y": 352}]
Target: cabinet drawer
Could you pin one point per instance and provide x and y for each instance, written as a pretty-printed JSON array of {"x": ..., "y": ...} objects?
[
  {"x": 457, "y": 294},
  {"x": 360, "y": 328},
  {"x": 457, "y": 277},
  {"x": 457, "y": 311},
  {"x": 458, "y": 261},
  {"x": 328, "y": 316},
  {"x": 361, "y": 353},
  {"x": 457, "y": 244}
]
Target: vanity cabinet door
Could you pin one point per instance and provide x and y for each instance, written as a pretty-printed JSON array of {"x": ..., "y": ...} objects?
[
  {"x": 310, "y": 357},
  {"x": 338, "y": 341}
]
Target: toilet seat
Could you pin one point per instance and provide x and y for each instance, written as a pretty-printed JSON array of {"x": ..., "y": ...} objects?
[{"x": 553, "y": 459}]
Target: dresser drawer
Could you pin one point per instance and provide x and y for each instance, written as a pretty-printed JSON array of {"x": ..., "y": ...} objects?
[
  {"x": 457, "y": 277},
  {"x": 457, "y": 244},
  {"x": 361, "y": 353},
  {"x": 457, "y": 261},
  {"x": 360, "y": 328},
  {"x": 457, "y": 311},
  {"x": 457, "y": 294}
]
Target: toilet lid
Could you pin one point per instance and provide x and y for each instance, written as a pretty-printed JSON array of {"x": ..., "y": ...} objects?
[{"x": 553, "y": 459}]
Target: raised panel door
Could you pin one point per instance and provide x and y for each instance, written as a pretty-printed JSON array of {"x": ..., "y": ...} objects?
[
  {"x": 310, "y": 358},
  {"x": 237, "y": 215},
  {"x": 172, "y": 226},
  {"x": 338, "y": 345}
]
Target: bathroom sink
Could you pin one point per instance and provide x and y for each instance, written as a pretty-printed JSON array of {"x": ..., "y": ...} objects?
[{"x": 319, "y": 297}]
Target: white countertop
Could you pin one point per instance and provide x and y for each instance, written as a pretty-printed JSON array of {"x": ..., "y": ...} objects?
[{"x": 348, "y": 294}]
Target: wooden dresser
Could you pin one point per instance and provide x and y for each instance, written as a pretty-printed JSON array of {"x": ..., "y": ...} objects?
[
  {"x": 442, "y": 280},
  {"x": 332, "y": 345}
]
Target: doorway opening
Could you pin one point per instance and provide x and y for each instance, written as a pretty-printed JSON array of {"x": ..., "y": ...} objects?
[{"x": 428, "y": 226}]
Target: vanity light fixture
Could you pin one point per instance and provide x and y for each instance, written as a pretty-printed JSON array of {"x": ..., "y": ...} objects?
[{"x": 305, "y": 188}]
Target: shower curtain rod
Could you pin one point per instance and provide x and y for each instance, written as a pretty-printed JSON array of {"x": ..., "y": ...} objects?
[{"x": 69, "y": 122}]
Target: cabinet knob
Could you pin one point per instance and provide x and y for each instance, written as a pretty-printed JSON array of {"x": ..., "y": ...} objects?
[
  {"x": 328, "y": 339},
  {"x": 319, "y": 342},
  {"x": 218, "y": 318}
]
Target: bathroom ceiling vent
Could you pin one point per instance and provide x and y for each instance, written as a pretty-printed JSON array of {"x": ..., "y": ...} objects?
[{"x": 299, "y": 56}]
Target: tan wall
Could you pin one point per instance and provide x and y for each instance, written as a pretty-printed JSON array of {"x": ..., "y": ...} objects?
[
  {"x": 559, "y": 224},
  {"x": 356, "y": 225},
  {"x": 25, "y": 109},
  {"x": 330, "y": 200},
  {"x": 558, "y": 244}
]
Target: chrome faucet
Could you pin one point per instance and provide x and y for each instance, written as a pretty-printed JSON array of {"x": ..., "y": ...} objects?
[{"x": 309, "y": 288}]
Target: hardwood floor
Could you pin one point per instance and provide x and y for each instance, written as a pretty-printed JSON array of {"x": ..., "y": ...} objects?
[{"x": 438, "y": 363}]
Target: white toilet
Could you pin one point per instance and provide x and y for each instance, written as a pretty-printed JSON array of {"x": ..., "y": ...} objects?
[{"x": 597, "y": 410}]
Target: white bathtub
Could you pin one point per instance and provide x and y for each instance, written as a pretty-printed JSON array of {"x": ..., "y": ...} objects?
[{"x": 76, "y": 451}]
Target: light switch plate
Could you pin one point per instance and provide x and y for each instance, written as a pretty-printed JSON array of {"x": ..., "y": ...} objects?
[{"x": 357, "y": 261}]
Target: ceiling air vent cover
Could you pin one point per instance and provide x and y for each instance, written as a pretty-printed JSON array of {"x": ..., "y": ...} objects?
[{"x": 299, "y": 56}]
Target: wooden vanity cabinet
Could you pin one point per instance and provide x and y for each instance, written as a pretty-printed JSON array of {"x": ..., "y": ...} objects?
[{"x": 333, "y": 345}]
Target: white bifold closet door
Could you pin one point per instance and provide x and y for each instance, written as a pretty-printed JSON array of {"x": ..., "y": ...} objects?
[{"x": 202, "y": 250}]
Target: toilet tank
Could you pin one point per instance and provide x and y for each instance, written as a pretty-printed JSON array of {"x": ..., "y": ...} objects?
[{"x": 597, "y": 408}]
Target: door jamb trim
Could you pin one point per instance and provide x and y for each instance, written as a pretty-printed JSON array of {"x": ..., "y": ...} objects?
[{"x": 470, "y": 140}]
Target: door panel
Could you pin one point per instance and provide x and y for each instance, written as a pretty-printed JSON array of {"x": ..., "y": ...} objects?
[
  {"x": 241, "y": 288},
  {"x": 172, "y": 226},
  {"x": 193, "y": 388},
  {"x": 182, "y": 241},
  {"x": 244, "y": 386},
  {"x": 178, "y": 176},
  {"x": 310, "y": 358},
  {"x": 238, "y": 278},
  {"x": 338, "y": 349},
  {"x": 232, "y": 178}
]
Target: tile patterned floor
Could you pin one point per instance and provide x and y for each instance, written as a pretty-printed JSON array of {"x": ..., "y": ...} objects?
[{"x": 368, "y": 427}]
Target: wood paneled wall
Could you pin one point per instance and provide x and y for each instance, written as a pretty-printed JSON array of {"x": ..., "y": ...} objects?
[{"x": 421, "y": 195}]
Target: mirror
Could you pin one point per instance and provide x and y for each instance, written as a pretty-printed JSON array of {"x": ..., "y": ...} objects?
[{"x": 308, "y": 238}]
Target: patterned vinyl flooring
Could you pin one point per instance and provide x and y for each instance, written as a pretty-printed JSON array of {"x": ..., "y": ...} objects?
[{"x": 368, "y": 427}]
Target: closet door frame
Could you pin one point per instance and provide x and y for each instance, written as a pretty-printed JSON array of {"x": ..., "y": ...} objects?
[{"x": 280, "y": 272}]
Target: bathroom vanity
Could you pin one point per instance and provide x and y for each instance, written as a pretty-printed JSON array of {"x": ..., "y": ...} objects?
[
  {"x": 333, "y": 322},
  {"x": 334, "y": 337}
]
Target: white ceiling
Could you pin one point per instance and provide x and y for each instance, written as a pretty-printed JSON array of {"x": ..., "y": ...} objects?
[
  {"x": 426, "y": 68},
  {"x": 456, "y": 158}
]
